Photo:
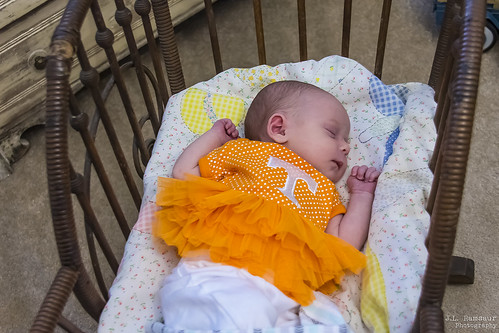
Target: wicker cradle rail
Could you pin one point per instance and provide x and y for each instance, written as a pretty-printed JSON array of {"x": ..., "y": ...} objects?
[{"x": 454, "y": 77}]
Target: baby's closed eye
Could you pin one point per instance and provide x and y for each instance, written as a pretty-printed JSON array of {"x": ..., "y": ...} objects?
[{"x": 331, "y": 132}]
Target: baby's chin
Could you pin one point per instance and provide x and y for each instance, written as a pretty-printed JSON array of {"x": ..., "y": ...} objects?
[{"x": 336, "y": 176}]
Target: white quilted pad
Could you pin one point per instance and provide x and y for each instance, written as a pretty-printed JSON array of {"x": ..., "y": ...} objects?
[{"x": 391, "y": 129}]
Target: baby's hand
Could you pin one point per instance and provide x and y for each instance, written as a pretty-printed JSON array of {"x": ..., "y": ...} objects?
[
  {"x": 363, "y": 179},
  {"x": 225, "y": 129}
]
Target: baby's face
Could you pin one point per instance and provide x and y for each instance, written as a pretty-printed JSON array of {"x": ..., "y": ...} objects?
[{"x": 319, "y": 131}]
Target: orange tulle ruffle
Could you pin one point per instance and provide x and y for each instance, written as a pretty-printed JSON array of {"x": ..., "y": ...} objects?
[{"x": 243, "y": 230}]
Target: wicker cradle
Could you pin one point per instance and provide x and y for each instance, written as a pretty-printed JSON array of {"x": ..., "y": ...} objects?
[{"x": 454, "y": 76}]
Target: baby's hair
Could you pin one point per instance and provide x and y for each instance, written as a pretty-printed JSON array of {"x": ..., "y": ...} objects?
[{"x": 279, "y": 96}]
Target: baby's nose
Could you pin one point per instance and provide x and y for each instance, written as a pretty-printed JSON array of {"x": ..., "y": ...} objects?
[{"x": 346, "y": 148}]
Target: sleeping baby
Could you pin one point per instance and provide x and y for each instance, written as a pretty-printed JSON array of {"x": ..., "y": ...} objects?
[{"x": 258, "y": 221}]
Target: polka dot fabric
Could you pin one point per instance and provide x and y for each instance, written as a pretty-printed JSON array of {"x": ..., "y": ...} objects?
[{"x": 244, "y": 165}]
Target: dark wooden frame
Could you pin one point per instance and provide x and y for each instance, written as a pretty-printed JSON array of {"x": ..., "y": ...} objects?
[{"x": 454, "y": 77}]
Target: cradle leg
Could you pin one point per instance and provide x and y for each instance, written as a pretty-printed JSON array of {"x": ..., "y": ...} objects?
[{"x": 462, "y": 271}]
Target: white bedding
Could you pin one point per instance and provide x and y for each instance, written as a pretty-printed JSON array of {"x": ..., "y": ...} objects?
[{"x": 392, "y": 129}]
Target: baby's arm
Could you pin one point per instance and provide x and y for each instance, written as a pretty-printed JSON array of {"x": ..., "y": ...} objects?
[
  {"x": 354, "y": 225},
  {"x": 222, "y": 131}
]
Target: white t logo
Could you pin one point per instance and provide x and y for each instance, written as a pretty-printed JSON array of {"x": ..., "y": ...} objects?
[{"x": 294, "y": 173}]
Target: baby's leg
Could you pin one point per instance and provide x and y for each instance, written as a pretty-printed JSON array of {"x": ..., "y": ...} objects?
[{"x": 205, "y": 295}]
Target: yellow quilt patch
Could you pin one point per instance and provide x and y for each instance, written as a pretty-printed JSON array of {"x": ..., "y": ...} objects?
[
  {"x": 260, "y": 76},
  {"x": 200, "y": 109},
  {"x": 373, "y": 306}
]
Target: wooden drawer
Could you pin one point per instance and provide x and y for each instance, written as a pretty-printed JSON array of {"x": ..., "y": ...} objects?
[{"x": 25, "y": 31}]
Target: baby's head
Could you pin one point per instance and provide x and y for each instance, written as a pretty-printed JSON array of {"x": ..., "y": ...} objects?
[{"x": 304, "y": 118}]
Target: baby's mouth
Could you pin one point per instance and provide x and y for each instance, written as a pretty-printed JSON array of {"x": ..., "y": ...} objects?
[{"x": 339, "y": 164}]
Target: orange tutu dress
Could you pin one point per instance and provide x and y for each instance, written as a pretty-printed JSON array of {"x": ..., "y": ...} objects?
[{"x": 260, "y": 207}]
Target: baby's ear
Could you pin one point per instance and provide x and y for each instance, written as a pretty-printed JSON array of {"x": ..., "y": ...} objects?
[{"x": 276, "y": 128}]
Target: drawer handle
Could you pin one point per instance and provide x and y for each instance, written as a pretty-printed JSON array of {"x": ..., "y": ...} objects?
[
  {"x": 38, "y": 59},
  {"x": 40, "y": 62}
]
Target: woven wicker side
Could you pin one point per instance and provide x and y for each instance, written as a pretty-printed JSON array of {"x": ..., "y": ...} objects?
[
  {"x": 459, "y": 97},
  {"x": 66, "y": 178},
  {"x": 57, "y": 105}
]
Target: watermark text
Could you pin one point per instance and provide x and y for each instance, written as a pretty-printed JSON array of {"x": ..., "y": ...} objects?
[{"x": 472, "y": 321}]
